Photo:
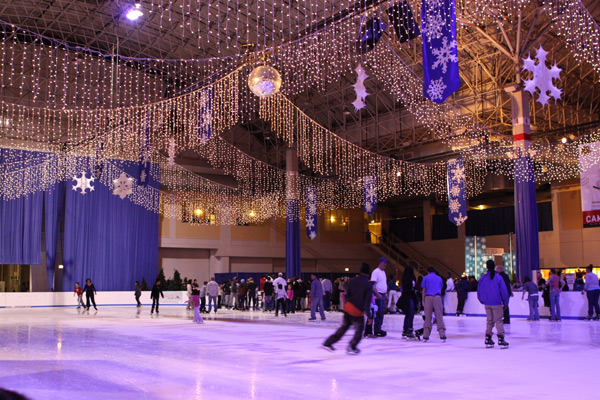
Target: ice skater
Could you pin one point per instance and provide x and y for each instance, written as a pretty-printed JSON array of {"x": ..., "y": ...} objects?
[
  {"x": 79, "y": 293},
  {"x": 196, "y": 301},
  {"x": 156, "y": 291},
  {"x": 138, "y": 293},
  {"x": 432, "y": 301},
  {"x": 533, "y": 298},
  {"x": 90, "y": 292},
  {"x": 408, "y": 301},
  {"x": 316, "y": 298},
  {"x": 593, "y": 292},
  {"x": 492, "y": 293},
  {"x": 358, "y": 300}
]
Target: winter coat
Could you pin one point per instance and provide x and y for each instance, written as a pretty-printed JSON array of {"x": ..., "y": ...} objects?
[{"x": 492, "y": 292}]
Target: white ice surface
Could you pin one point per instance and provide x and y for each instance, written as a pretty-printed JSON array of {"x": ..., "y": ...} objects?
[{"x": 116, "y": 353}]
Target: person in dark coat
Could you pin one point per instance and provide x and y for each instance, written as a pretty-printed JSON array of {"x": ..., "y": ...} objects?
[
  {"x": 504, "y": 276},
  {"x": 462, "y": 293},
  {"x": 156, "y": 291},
  {"x": 408, "y": 301},
  {"x": 359, "y": 293},
  {"x": 90, "y": 292}
]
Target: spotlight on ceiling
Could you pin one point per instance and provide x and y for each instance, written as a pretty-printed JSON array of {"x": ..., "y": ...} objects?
[
  {"x": 563, "y": 140},
  {"x": 133, "y": 13}
]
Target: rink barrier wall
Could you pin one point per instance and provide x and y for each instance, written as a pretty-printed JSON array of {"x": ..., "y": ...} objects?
[
  {"x": 573, "y": 305},
  {"x": 67, "y": 299}
]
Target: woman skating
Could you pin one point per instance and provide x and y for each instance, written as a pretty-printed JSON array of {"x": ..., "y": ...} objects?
[{"x": 408, "y": 301}]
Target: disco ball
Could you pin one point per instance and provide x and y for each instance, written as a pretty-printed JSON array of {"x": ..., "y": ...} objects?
[{"x": 264, "y": 81}]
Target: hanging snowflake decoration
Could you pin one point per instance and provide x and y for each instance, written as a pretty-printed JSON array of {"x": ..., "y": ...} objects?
[
  {"x": 123, "y": 186},
  {"x": 542, "y": 79},
  {"x": 171, "y": 150},
  {"x": 458, "y": 173},
  {"x": 444, "y": 54},
  {"x": 83, "y": 183},
  {"x": 454, "y": 205},
  {"x": 460, "y": 220},
  {"x": 434, "y": 25},
  {"x": 359, "y": 88},
  {"x": 436, "y": 89}
]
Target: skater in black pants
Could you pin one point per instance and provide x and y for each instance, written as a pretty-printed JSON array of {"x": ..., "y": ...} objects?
[
  {"x": 156, "y": 291},
  {"x": 138, "y": 293},
  {"x": 408, "y": 301},
  {"x": 359, "y": 293},
  {"x": 90, "y": 291}
]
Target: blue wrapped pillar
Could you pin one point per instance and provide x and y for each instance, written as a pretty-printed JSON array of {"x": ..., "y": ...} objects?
[
  {"x": 54, "y": 199},
  {"x": 292, "y": 216},
  {"x": 526, "y": 221}
]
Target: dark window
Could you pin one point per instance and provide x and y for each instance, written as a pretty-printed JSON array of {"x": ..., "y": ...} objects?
[
  {"x": 443, "y": 228},
  {"x": 408, "y": 229}
]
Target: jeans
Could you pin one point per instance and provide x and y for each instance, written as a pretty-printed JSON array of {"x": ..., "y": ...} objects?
[
  {"x": 241, "y": 301},
  {"x": 203, "y": 303},
  {"x": 289, "y": 306},
  {"x": 506, "y": 313},
  {"x": 226, "y": 301},
  {"x": 409, "y": 316},
  {"x": 137, "y": 298},
  {"x": 268, "y": 303},
  {"x": 154, "y": 304},
  {"x": 356, "y": 322},
  {"x": 380, "y": 310},
  {"x": 592, "y": 296},
  {"x": 252, "y": 301},
  {"x": 434, "y": 304},
  {"x": 555, "y": 305},
  {"x": 494, "y": 317},
  {"x": 534, "y": 310},
  {"x": 314, "y": 303},
  {"x": 212, "y": 300},
  {"x": 80, "y": 301}
]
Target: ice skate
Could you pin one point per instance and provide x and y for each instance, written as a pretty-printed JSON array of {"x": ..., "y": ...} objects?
[
  {"x": 353, "y": 351},
  {"x": 502, "y": 343},
  {"x": 443, "y": 339},
  {"x": 408, "y": 334},
  {"x": 489, "y": 343}
]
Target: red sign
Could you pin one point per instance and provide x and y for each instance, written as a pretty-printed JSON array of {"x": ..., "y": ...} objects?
[{"x": 591, "y": 218}]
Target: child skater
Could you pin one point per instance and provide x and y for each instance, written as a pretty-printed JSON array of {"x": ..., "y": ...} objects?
[
  {"x": 79, "y": 293},
  {"x": 196, "y": 300}
]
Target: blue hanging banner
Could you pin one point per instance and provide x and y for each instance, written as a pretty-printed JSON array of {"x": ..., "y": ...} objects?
[
  {"x": 146, "y": 141},
  {"x": 310, "y": 198},
  {"x": 401, "y": 18},
  {"x": 205, "y": 114},
  {"x": 370, "y": 193},
  {"x": 457, "y": 191},
  {"x": 372, "y": 32},
  {"x": 440, "y": 56},
  {"x": 99, "y": 159}
]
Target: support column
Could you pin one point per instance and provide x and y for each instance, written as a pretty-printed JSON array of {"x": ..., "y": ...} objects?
[
  {"x": 292, "y": 215},
  {"x": 526, "y": 220},
  {"x": 427, "y": 220}
]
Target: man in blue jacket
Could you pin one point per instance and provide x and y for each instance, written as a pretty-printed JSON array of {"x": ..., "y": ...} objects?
[{"x": 492, "y": 293}]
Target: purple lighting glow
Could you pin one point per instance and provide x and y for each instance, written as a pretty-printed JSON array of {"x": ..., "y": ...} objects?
[{"x": 134, "y": 13}]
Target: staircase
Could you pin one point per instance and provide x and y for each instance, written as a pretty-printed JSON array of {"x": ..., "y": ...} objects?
[{"x": 402, "y": 254}]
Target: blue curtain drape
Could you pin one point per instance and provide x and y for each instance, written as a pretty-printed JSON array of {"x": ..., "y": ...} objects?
[
  {"x": 110, "y": 240},
  {"x": 292, "y": 238},
  {"x": 54, "y": 200},
  {"x": 526, "y": 219},
  {"x": 20, "y": 218}
]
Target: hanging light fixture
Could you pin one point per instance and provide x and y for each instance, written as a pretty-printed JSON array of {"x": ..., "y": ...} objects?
[{"x": 264, "y": 81}]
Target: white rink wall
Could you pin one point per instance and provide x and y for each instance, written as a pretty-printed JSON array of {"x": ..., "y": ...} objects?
[
  {"x": 572, "y": 304},
  {"x": 67, "y": 299}
]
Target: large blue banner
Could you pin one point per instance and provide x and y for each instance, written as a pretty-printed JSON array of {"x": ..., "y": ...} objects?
[
  {"x": 457, "y": 196},
  {"x": 205, "y": 114},
  {"x": 370, "y": 194},
  {"x": 440, "y": 57}
]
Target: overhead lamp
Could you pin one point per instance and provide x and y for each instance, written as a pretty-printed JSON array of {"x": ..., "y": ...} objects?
[
  {"x": 133, "y": 13},
  {"x": 198, "y": 212},
  {"x": 563, "y": 140},
  {"x": 252, "y": 213},
  {"x": 61, "y": 266},
  {"x": 481, "y": 206}
]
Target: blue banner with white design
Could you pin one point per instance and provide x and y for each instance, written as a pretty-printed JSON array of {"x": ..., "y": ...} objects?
[
  {"x": 457, "y": 191},
  {"x": 205, "y": 114},
  {"x": 146, "y": 140},
  {"x": 310, "y": 198},
  {"x": 369, "y": 194},
  {"x": 476, "y": 256},
  {"x": 440, "y": 57}
]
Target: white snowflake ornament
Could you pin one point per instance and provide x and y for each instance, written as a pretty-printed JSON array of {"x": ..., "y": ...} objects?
[
  {"x": 436, "y": 89},
  {"x": 123, "y": 186},
  {"x": 444, "y": 55},
  {"x": 83, "y": 183},
  {"x": 359, "y": 88},
  {"x": 542, "y": 79}
]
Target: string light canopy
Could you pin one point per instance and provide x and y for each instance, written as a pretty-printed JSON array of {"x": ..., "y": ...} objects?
[{"x": 69, "y": 99}]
